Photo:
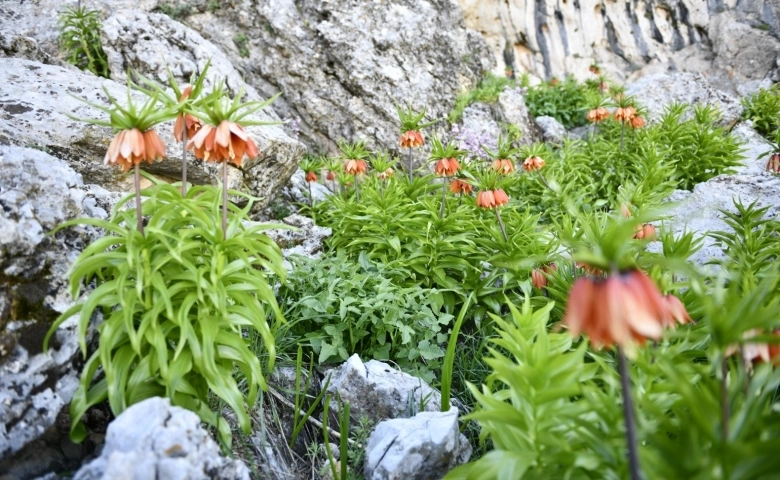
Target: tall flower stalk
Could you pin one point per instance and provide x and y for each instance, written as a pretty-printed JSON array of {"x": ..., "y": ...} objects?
[
  {"x": 185, "y": 100},
  {"x": 311, "y": 166},
  {"x": 222, "y": 137},
  {"x": 354, "y": 155},
  {"x": 623, "y": 309},
  {"x": 492, "y": 195},
  {"x": 446, "y": 165},
  {"x": 411, "y": 132},
  {"x": 135, "y": 139}
]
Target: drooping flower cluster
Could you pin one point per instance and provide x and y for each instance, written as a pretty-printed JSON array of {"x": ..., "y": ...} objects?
[
  {"x": 622, "y": 309},
  {"x": 490, "y": 199},
  {"x": 185, "y": 121},
  {"x": 504, "y": 166},
  {"x": 411, "y": 139},
  {"x": 131, "y": 147},
  {"x": 227, "y": 142},
  {"x": 597, "y": 115},
  {"x": 539, "y": 275},
  {"x": 532, "y": 164},
  {"x": 462, "y": 187}
]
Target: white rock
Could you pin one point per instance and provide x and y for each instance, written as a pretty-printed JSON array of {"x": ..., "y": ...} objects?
[
  {"x": 656, "y": 92},
  {"x": 425, "y": 446},
  {"x": 378, "y": 391},
  {"x": 153, "y": 439},
  {"x": 37, "y": 193},
  {"x": 552, "y": 130}
]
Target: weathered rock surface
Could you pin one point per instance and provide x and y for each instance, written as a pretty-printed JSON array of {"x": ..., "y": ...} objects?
[
  {"x": 656, "y": 92},
  {"x": 378, "y": 391},
  {"x": 425, "y": 446},
  {"x": 552, "y": 130},
  {"x": 306, "y": 238},
  {"x": 513, "y": 110},
  {"x": 153, "y": 439},
  {"x": 344, "y": 65},
  {"x": 297, "y": 189},
  {"x": 37, "y": 193},
  {"x": 698, "y": 211},
  {"x": 35, "y": 103},
  {"x": 551, "y": 39}
]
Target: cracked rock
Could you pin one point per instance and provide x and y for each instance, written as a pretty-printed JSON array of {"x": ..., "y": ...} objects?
[
  {"x": 378, "y": 391},
  {"x": 153, "y": 439},
  {"x": 423, "y": 447}
]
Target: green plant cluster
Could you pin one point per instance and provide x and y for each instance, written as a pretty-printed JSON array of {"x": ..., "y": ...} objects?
[
  {"x": 565, "y": 101},
  {"x": 654, "y": 161},
  {"x": 552, "y": 406},
  {"x": 179, "y": 306},
  {"x": 80, "y": 40},
  {"x": 341, "y": 307},
  {"x": 763, "y": 109}
]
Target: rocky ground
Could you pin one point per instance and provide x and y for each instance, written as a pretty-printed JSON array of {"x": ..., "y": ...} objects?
[{"x": 341, "y": 67}]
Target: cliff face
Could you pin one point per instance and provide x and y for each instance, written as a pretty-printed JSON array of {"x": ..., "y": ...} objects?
[{"x": 557, "y": 37}]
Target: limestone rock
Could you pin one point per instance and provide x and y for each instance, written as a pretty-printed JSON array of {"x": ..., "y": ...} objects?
[
  {"x": 153, "y": 439},
  {"x": 343, "y": 66},
  {"x": 549, "y": 39},
  {"x": 298, "y": 189},
  {"x": 478, "y": 129},
  {"x": 655, "y": 92},
  {"x": 305, "y": 238},
  {"x": 38, "y": 192},
  {"x": 35, "y": 103},
  {"x": 425, "y": 446},
  {"x": 698, "y": 211},
  {"x": 514, "y": 111},
  {"x": 552, "y": 130},
  {"x": 378, "y": 391}
]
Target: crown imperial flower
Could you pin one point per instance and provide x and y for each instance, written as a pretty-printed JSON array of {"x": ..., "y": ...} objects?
[
  {"x": 622, "y": 309},
  {"x": 412, "y": 139},
  {"x": 131, "y": 147},
  {"x": 227, "y": 142},
  {"x": 461, "y": 187},
  {"x": 490, "y": 199},
  {"x": 504, "y": 166},
  {"x": 532, "y": 164},
  {"x": 447, "y": 167}
]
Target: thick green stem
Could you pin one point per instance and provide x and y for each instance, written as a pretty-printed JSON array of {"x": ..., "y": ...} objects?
[
  {"x": 184, "y": 161},
  {"x": 443, "y": 196},
  {"x": 501, "y": 224},
  {"x": 622, "y": 134},
  {"x": 224, "y": 199},
  {"x": 138, "y": 216},
  {"x": 357, "y": 190},
  {"x": 410, "y": 164},
  {"x": 628, "y": 415},
  {"x": 724, "y": 400}
]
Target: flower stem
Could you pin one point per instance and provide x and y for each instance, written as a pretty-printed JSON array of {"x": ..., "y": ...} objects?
[
  {"x": 184, "y": 162},
  {"x": 724, "y": 400},
  {"x": 544, "y": 180},
  {"x": 501, "y": 224},
  {"x": 628, "y": 414},
  {"x": 224, "y": 200},
  {"x": 622, "y": 133},
  {"x": 357, "y": 190},
  {"x": 410, "y": 164},
  {"x": 311, "y": 198},
  {"x": 138, "y": 216},
  {"x": 443, "y": 196}
]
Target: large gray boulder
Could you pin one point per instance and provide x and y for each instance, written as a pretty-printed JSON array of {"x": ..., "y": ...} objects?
[
  {"x": 656, "y": 92},
  {"x": 38, "y": 192},
  {"x": 36, "y": 105},
  {"x": 423, "y": 447},
  {"x": 343, "y": 66},
  {"x": 153, "y": 439},
  {"x": 378, "y": 391}
]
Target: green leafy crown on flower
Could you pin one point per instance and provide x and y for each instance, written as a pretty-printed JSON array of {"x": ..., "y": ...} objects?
[
  {"x": 410, "y": 120},
  {"x": 505, "y": 149},
  {"x": 130, "y": 115},
  {"x": 311, "y": 163},
  {"x": 217, "y": 106},
  {"x": 485, "y": 177},
  {"x": 441, "y": 150},
  {"x": 381, "y": 161},
  {"x": 188, "y": 105},
  {"x": 354, "y": 150}
]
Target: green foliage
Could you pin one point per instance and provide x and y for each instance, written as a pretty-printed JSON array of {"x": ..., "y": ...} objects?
[
  {"x": 241, "y": 41},
  {"x": 654, "y": 161},
  {"x": 80, "y": 40},
  {"x": 179, "y": 306},
  {"x": 565, "y": 101},
  {"x": 177, "y": 11},
  {"x": 339, "y": 307},
  {"x": 763, "y": 108},
  {"x": 487, "y": 91}
]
